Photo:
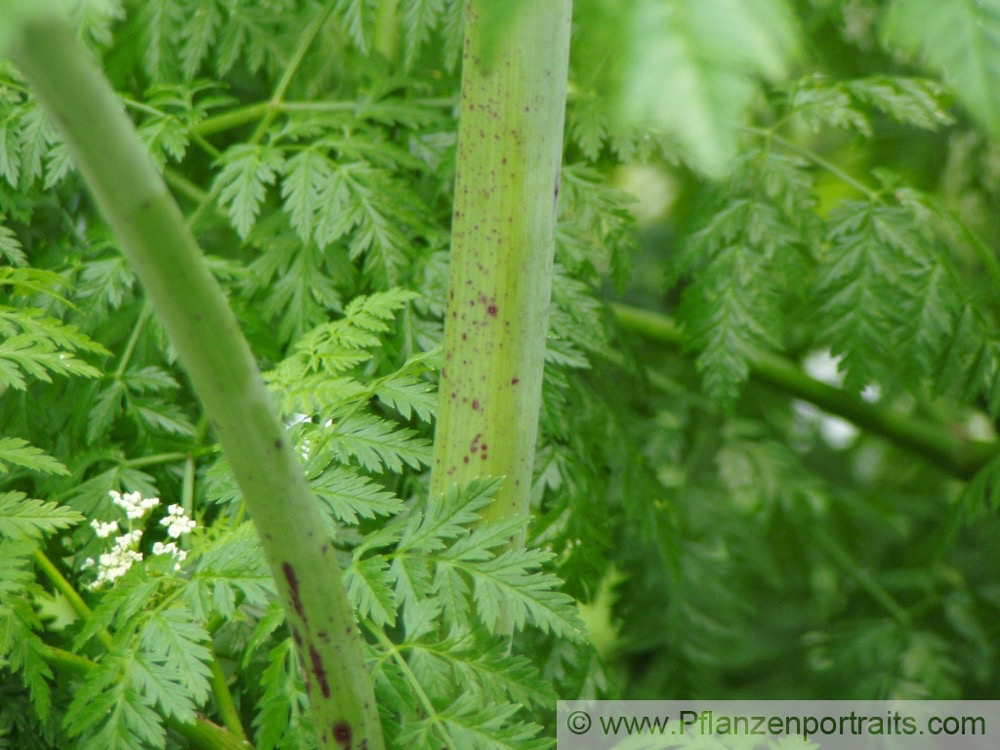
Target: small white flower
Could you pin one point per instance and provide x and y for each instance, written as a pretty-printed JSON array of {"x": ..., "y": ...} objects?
[
  {"x": 170, "y": 548},
  {"x": 177, "y": 522},
  {"x": 104, "y": 530},
  {"x": 133, "y": 503}
]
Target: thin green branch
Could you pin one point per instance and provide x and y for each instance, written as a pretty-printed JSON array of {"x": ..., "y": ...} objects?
[
  {"x": 137, "y": 329},
  {"x": 224, "y": 698},
  {"x": 818, "y": 160},
  {"x": 960, "y": 457},
  {"x": 248, "y": 113},
  {"x": 272, "y": 108},
  {"x": 393, "y": 650},
  {"x": 197, "y": 137},
  {"x": 293, "y": 67},
  {"x": 207, "y": 735},
  {"x": 234, "y": 118},
  {"x": 168, "y": 458},
  {"x": 183, "y": 185},
  {"x": 66, "y": 660},
  {"x": 66, "y": 588},
  {"x": 864, "y": 579}
]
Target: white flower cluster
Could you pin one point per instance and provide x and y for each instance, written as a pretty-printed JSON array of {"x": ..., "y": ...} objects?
[
  {"x": 133, "y": 504},
  {"x": 124, "y": 551},
  {"x": 176, "y": 522},
  {"x": 114, "y": 564}
]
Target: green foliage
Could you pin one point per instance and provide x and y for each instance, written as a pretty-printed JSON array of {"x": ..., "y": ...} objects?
[
  {"x": 958, "y": 40},
  {"x": 725, "y": 543},
  {"x": 690, "y": 67}
]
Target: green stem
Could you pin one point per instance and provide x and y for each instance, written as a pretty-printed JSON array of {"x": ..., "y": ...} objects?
[
  {"x": 503, "y": 238},
  {"x": 152, "y": 232},
  {"x": 195, "y": 136},
  {"x": 167, "y": 458},
  {"x": 818, "y": 160},
  {"x": 385, "y": 39},
  {"x": 137, "y": 328},
  {"x": 960, "y": 457},
  {"x": 234, "y": 118},
  {"x": 65, "y": 588},
  {"x": 272, "y": 107},
  {"x": 209, "y": 736},
  {"x": 393, "y": 650},
  {"x": 66, "y": 661},
  {"x": 224, "y": 699},
  {"x": 293, "y": 67},
  {"x": 864, "y": 579},
  {"x": 240, "y": 116},
  {"x": 183, "y": 185}
]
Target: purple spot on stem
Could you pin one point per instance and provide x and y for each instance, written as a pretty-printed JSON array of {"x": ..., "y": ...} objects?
[
  {"x": 293, "y": 587},
  {"x": 319, "y": 671},
  {"x": 342, "y": 734}
]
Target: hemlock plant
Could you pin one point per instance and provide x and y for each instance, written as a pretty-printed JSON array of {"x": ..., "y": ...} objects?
[{"x": 319, "y": 405}]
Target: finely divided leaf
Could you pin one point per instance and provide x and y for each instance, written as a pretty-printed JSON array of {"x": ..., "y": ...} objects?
[
  {"x": 369, "y": 585},
  {"x": 173, "y": 640},
  {"x": 21, "y": 516},
  {"x": 448, "y": 516},
  {"x": 350, "y": 496},
  {"x": 247, "y": 170},
  {"x": 10, "y": 246},
  {"x": 513, "y": 586},
  {"x": 407, "y": 394},
  {"x": 375, "y": 443},
  {"x": 21, "y": 453}
]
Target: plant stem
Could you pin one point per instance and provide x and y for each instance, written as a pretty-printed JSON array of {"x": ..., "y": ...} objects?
[
  {"x": 864, "y": 579},
  {"x": 66, "y": 660},
  {"x": 960, "y": 457},
  {"x": 137, "y": 329},
  {"x": 818, "y": 160},
  {"x": 503, "y": 237},
  {"x": 224, "y": 698},
  {"x": 385, "y": 39},
  {"x": 168, "y": 458},
  {"x": 244, "y": 115},
  {"x": 308, "y": 36},
  {"x": 65, "y": 588},
  {"x": 397, "y": 656},
  {"x": 152, "y": 232}
]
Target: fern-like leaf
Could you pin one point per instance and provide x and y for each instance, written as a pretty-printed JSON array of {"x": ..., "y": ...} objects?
[
  {"x": 247, "y": 170},
  {"x": 23, "y": 516}
]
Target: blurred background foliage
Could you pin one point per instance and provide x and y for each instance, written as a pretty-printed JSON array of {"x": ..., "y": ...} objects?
[
  {"x": 807, "y": 182},
  {"x": 819, "y": 186}
]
